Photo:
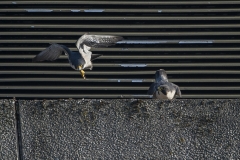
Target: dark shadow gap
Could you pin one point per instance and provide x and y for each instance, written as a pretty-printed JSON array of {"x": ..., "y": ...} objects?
[{"x": 18, "y": 130}]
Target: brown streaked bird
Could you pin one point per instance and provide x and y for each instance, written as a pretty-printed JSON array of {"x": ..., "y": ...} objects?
[
  {"x": 161, "y": 88},
  {"x": 81, "y": 60}
]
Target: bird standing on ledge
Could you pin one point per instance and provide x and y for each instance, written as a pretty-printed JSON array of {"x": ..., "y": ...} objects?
[
  {"x": 78, "y": 60},
  {"x": 161, "y": 88}
]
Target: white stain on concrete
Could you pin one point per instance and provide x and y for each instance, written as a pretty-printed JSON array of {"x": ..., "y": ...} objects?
[
  {"x": 126, "y": 80},
  {"x": 141, "y": 42},
  {"x": 159, "y": 11},
  {"x": 39, "y": 10},
  {"x": 133, "y": 65},
  {"x": 137, "y": 80},
  {"x": 14, "y": 2},
  {"x": 93, "y": 10},
  {"x": 75, "y": 10},
  {"x": 195, "y": 41}
]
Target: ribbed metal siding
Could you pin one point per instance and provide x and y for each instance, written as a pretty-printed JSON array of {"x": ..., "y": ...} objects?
[{"x": 196, "y": 42}]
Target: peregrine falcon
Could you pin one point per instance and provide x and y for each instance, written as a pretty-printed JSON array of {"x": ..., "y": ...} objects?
[
  {"x": 78, "y": 60},
  {"x": 161, "y": 88},
  {"x": 86, "y": 41},
  {"x": 55, "y": 50}
]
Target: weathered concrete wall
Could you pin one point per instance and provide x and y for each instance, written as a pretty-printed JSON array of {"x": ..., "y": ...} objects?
[
  {"x": 8, "y": 132},
  {"x": 130, "y": 129}
]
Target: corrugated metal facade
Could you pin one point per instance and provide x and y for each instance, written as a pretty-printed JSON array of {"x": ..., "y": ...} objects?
[{"x": 196, "y": 42}]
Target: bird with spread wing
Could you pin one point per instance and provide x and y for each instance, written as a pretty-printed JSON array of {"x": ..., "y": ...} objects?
[
  {"x": 79, "y": 60},
  {"x": 162, "y": 88}
]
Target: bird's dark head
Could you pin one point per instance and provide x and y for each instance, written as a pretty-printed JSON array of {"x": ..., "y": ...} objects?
[
  {"x": 161, "y": 75},
  {"x": 163, "y": 89}
]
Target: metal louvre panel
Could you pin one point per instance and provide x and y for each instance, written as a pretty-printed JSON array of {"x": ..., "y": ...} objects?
[{"x": 196, "y": 42}]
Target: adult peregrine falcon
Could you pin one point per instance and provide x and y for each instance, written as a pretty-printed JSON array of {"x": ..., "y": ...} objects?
[
  {"x": 86, "y": 41},
  {"x": 78, "y": 60},
  {"x": 161, "y": 88}
]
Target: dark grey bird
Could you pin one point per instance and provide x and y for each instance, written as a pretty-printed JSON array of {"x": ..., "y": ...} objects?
[
  {"x": 54, "y": 51},
  {"x": 81, "y": 60},
  {"x": 161, "y": 88}
]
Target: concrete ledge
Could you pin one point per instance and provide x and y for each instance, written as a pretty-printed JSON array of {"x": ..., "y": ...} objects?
[
  {"x": 8, "y": 132},
  {"x": 130, "y": 129}
]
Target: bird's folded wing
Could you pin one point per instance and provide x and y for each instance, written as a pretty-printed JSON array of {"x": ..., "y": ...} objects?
[
  {"x": 152, "y": 89},
  {"x": 178, "y": 91},
  {"x": 51, "y": 53}
]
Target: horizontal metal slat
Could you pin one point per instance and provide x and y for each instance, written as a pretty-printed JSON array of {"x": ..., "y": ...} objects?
[
  {"x": 200, "y": 33},
  {"x": 117, "y": 18},
  {"x": 73, "y": 96},
  {"x": 90, "y": 26},
  {"x": 30, "y": 64},
  {"x": 106, "y": 88},
  {"x": 132, "y": 49},
  {"x": 127, "y": 56},
  {"x": 80, "y": 80},
  {"x": 160, "y": 10},
  {"x": 203, "y": 2},
  {"x": 149, "y": 72},
  {"x": 186, "y": 41},
  {"x": 71, "y": 88},
  {"x": 219, "y": 88},
  {"x": 90, "y": 96}
]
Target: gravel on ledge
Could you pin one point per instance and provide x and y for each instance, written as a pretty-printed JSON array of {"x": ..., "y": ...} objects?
[
  {"x": 130, "y": 129},
  {"x": 8, "y": 132}
]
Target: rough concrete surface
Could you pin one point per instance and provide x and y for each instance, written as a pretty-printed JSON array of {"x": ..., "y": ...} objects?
[
  {"x": 8, "y": 134},
  {"x": 130, "y": 129}
]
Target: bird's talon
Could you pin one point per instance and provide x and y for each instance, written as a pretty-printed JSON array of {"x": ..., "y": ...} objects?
[{"x": 82, "y": 72}]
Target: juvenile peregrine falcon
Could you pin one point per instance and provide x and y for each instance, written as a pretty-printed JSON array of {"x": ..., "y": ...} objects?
[{"x": 161, "y": 88}]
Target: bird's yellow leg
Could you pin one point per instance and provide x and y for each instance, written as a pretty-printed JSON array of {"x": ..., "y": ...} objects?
[{"x": 82, "y": 71}]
